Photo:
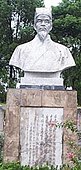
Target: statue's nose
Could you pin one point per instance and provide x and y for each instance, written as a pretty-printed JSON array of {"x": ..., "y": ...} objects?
[{"x": 43, "y": 23}]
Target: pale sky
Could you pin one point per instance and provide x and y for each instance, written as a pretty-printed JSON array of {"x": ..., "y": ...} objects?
[{"x": 48, "y": 3}]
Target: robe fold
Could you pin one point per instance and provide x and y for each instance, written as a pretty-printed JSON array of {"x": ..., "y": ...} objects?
[{"x": 37, "y": 56}]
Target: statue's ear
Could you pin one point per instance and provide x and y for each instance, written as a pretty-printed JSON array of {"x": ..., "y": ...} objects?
[
  {"x": 34, "y": 26},
  {"x": 51, "y": 26},
  {"x": 34, "y": 23}
]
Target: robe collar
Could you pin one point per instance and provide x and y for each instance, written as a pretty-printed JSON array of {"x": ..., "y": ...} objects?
[{"x": 39, "y": 42}]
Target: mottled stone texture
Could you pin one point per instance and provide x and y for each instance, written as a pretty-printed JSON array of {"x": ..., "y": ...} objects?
[
  {"x": 11, "y": 143},
  {"x": 17, "y": 98}
]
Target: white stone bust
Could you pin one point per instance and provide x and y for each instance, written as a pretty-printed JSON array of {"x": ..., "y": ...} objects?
[{"x": 42, "y": 57}]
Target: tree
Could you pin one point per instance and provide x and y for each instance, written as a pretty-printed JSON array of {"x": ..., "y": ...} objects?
[
  {"x": 67, "y": 30},
  {"x": 21, "y": 14}
]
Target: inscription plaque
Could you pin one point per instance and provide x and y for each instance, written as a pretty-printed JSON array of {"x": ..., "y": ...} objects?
[{"x": 41, "y": 136}]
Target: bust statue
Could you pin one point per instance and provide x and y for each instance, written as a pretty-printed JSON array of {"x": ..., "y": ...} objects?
[{"x": 42, "y": 59}]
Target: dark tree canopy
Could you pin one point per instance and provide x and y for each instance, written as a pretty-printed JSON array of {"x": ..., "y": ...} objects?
[
  {"x": 16, "y": 27},
  {"x": 67, "y": 30}
]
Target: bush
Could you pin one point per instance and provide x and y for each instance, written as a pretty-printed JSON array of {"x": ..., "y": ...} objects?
[
  {"x": 17, "y": 166},
  {"x": 1, "y": 147},
  {"x": 2, "y": 94}
]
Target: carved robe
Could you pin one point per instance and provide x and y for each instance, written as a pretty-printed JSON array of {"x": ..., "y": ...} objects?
[{"x": 37, "y": 56}]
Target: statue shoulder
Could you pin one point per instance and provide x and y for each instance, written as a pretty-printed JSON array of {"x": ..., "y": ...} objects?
[
  {"x": 19, "y": 54},
  {"x": 66, "y": 57},
  {"x": 64, "y": 50},
  {"x": 60, "y": 46},
  {"x": 24, "y": 46}
]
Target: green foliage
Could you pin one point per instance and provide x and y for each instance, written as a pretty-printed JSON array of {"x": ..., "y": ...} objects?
[
  {"x": 26, "y": 33},
  {"x": 17, "y": 166},
  {"x": 67, "y": 30},
  {"x": 69, "y": 124},
  {"x": 21, "y": 13},
  {"x": 1, "y": 147},
  {"x": 2, "y": 94}
]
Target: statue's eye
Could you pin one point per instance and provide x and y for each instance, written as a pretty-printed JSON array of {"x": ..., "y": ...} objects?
[
  {"x": 39, "y": 20},
  {"x": 47, "y": 21}
]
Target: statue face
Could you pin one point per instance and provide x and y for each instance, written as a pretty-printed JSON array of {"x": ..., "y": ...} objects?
[{"x": 43, "y": 26}]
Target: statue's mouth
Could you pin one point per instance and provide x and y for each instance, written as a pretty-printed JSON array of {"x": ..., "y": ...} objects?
[{"x": 43, "y": 29}]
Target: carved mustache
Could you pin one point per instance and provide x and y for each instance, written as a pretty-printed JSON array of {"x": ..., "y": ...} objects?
[{"x": 42, "y": 29}]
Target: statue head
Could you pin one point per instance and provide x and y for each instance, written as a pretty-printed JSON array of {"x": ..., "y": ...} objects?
[{"x": 43, "y": 22}]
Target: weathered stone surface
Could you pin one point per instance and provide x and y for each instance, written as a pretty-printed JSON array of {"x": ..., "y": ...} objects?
[
  {"x": 11, "y": 143},
  {"x": 30, "y": 98},
  {"x": 53, "y": 98},
  {"x": 13, "y": 97},
  {"x": 42, "y": 139},
  {"x": 58, "y": 98},
  {"x": 23, "y": 98}
]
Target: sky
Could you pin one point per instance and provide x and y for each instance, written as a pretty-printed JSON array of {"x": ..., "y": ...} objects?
[{"x": 48, "y": 3}]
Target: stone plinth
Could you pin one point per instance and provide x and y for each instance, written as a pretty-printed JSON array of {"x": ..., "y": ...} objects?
[
  {"x": 31, "y": 134},
  {"x": 42, "y": 79}
]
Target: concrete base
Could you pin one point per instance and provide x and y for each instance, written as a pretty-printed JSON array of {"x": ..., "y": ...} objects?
[
  {"x": 50, "y": 79},
  {"x": 31, "y": 116}
]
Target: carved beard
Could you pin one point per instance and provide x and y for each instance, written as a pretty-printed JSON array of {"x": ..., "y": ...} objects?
[{"x": 42, "y": 34}]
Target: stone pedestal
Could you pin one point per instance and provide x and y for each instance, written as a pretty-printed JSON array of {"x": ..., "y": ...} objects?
[{"x": 33, "y": 125}]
